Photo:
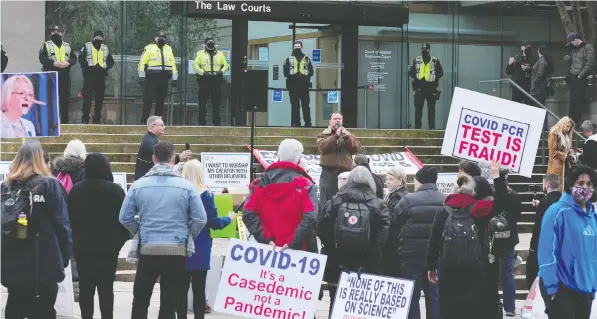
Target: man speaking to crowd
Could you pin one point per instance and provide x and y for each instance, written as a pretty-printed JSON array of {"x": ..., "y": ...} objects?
[{"x": 336, "y": 146}]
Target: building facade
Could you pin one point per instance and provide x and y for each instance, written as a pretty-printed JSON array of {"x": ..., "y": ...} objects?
[{"x": 473, "y": 42}]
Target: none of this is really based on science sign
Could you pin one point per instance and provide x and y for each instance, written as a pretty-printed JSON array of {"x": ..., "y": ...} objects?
[
  {"x": 258, "y": 282},
  {"x": 482, "y": 128}
]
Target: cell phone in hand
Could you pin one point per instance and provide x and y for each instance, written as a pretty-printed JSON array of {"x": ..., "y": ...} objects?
[{"x": 187, "y": 146}]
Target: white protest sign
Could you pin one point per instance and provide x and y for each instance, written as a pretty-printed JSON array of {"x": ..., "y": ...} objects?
[
  {"x": 372, "y": 297},
  {"x": 221, "y": 170},
  {"x": 211, "y": 283},
  {"x": 482, "y": 128},
  {"x": 120, "y": 179},
  {"x": 258, "y": 282},
  {"x": 446, "y": 182}
]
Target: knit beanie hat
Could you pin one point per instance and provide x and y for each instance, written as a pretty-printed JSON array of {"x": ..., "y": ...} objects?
[{"x": 427, "y": 175}]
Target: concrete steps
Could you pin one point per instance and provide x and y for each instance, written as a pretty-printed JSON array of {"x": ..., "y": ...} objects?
[{"x": 121, "y": 143}]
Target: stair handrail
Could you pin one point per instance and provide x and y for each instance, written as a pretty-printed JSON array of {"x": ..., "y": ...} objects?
[{"x": 528, "y": 95}]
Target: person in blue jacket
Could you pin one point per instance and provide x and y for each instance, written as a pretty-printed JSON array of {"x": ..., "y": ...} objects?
[
  {"x": 31, "y": 269},
  {"x": 568, "y": 249},
  {"x": 199, "y": 263}
]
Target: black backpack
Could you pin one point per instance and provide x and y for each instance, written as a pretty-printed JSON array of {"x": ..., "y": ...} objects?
[
  {"x": 353, "y": 227},
  {"x": 15, "y": 199},
  {"x": 461, "y": 245},
  {"x": 498, "y": 234}
]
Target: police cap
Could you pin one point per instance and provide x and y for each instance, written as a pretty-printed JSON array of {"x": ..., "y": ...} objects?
[
  {"x": 425, "y": 47},
  {"x": 55, "y": 28}
]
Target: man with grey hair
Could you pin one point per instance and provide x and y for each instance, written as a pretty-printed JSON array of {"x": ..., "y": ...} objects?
[
  {"x": 155, "y": 129},
  {"x": 589, "y": 149},
  {"x": 271, "y": 213}
]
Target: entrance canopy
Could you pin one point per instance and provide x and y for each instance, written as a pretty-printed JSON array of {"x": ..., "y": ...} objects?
[{"x": 364, "y": 13}]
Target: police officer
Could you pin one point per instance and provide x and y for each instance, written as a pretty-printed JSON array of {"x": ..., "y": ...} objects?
[
  {"x": 426, "y": 72},
  {"x": 158, "y": 66},
  {"x": 4, "y": 58},
  {"x": 95, "y": 59},
  {"x": 520, "y": 67},
  {"x": 210, "y": 65},
  {"x": 56, "y": 55},
  {"x": 298, "y": 71}
]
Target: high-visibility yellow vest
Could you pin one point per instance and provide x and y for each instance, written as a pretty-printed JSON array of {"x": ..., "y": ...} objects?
[
  {"x": 426, "y": 71},
  {"x": 301, "y": 65},
  {"x": 58, "y": 54},
  {"x": 97, "y": 57},
  {"x": 156, "y": 60},
  {"x": 205, "y": 63}
]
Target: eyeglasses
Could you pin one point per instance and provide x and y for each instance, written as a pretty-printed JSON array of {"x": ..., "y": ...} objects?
[{"x": 24, "y": 95}]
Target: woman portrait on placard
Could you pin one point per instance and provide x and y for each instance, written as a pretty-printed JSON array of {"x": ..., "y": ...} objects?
[
  {"x": 17, "y": 99},
  {"x": 559, "y": 143}
]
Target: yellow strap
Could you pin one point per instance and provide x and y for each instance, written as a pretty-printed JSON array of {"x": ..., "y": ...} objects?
[{"x": 242, "y": 230}]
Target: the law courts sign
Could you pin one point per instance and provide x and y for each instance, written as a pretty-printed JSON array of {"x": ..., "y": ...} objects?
[{"x": 355, "y": 12}]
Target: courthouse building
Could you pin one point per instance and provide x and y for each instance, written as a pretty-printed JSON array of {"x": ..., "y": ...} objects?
[{"x": 361, "y": 51}]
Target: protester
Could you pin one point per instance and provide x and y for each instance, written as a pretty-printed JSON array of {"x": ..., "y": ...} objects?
[
  {"x": 582, "y": 65},
  {"x": 411, "y": 222},
  {"x": 93, "y": 207},
  {"x": 363, "y": 160},
  {"x": 355, "y": 242},
  {"x": 567, "y": 246},
  {"x": 396, "y": 184},
  {"x": 589, "y": 149},
  {"x": 31, "y": 266},
  {"x": 559, "y": 143},
  {"x": 155, "y": 129},
  {"x": 470, "y": 168},
  {"x": 520, "y": 68},
  {"x": 541, "y": 73},
  {"x": 199, "y": 263},
  {"x": 170, "y": 210},
  {"x": 461, "y": 289},
  {"x": 281, "y": 208},
  {"x": 505, "y": 252},
  {"x": 71, "y": 163},
  {"x": 551, "y": 184},
  {"x": 336, "y": 146}
]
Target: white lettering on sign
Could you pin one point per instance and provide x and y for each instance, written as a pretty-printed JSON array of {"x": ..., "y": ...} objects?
[{"x": 244, "y": 7}]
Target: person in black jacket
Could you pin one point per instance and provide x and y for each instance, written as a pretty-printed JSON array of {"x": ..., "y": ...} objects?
[
  {"x": 551, "y": 186},
  {"x": 4, "y": 58},
  {"x": 94, "y": 207},
  {"x": 362, "y": 160},
  {"x": 32, "y": 270},
  {"x": 57, "y": 55},
  {"x": 541, "y": 72},
  {"x": 589, "y": 148},
  {"x": 411, "y": 222},
  {"x": 155, "y": 128},
  {"x": 520, "y": 68},
  {"x": 462, "y": 292},
  {"x": 95, "y": 60}
]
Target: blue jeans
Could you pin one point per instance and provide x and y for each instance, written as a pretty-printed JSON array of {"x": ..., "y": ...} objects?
[
  {"x": 419, "y": 275},
  {"x": 506, "y": 261}
]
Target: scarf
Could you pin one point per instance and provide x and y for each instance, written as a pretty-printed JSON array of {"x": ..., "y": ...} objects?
[{"x": 163, "y": 169}]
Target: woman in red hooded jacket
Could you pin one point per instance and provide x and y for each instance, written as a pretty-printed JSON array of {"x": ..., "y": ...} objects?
[{"x": 464, "y": 291}]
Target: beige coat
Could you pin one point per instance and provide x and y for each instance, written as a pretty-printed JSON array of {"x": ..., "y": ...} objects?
[{"x": 557, "y": 157}]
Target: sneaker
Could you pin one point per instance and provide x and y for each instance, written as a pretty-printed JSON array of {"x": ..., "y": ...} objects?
[
  {"x": 511, "y": 314},
  {"x": 207, "y": 309}
]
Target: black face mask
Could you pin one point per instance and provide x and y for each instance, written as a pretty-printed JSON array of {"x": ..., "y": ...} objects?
[
  {"x": 527, "y": 52},
  {"x": 97, "y": 44},
  {"x": 161, "y": 42},
  {"x": 210, "y": 45},
  {"x": 425, "y": 54},
  {"x": 297, "y": 51},
  {"x": 56, "y": 38}
]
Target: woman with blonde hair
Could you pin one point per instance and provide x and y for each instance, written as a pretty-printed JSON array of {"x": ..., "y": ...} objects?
[
  {"x": 199, "y": 263},
  {"x": 32, "y": 262},
  {"x": 559, "y": 143},
  {"x": 396, "y": 183},
  {"x": 17, "y": 98}
]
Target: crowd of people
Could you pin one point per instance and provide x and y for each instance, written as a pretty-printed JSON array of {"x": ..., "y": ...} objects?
[{"x": 453, "y": 247}]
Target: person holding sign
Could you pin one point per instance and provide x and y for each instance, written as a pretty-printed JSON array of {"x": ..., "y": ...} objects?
[
  {"x": 353, "y": 227},
  {"x": 464, "y": 259},
  {"x": 281, "y": 209},
  {"x": 559, "y": 143}
]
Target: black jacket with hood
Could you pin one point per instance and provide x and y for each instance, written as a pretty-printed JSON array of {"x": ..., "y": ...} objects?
[
  {"x": 74, "y": 166},
  {"x": 380, "y": 226},
  {"x": 589, "y": 152},
  {"x": 94, "y": 207}
]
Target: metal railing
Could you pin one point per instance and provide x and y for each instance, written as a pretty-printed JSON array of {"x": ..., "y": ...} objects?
[{"x": 537, "y": 103}]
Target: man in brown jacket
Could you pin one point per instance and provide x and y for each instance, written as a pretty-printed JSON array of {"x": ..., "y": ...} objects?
[{"x": 336, "y": 146}]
